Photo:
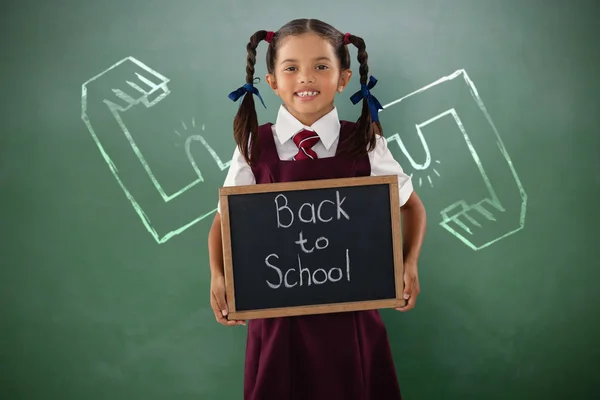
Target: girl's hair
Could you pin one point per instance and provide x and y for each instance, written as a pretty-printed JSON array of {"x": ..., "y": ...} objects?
[{"x": 245, "y": 124}]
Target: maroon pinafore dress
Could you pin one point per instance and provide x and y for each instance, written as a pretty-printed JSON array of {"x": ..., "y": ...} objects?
[{"x": 339, "y": 356}]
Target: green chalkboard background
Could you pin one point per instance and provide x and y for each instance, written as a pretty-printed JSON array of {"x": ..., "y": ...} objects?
[{"x": 107, "y": 196}]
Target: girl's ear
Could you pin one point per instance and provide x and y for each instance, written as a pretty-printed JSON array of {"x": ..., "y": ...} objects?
[
  {"x": 344, "y": 79},
  {"x": 272, "y": 82}
]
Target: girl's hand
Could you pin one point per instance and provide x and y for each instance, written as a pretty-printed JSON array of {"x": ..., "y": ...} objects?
[
  {"x": 219, "y": 303},
  {"x": 411, "y": 286}
]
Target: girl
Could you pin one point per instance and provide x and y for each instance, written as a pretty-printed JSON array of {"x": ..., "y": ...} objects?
[{"x": 346, "y": 355}]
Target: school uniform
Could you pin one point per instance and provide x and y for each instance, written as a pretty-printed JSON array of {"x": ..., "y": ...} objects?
[{"x": 334, "y": 356}]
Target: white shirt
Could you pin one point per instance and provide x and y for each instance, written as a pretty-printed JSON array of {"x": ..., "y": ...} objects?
[{"x": 328, "y": 129}]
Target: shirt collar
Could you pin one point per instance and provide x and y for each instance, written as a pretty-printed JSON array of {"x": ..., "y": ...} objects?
[{"x": 327, "y": 127}]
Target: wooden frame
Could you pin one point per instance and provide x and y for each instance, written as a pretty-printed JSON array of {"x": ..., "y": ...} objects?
[{"x": 398, "y": 301}]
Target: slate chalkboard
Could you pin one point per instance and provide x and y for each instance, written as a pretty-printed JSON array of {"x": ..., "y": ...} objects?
[{"x": 312, "y": 247}]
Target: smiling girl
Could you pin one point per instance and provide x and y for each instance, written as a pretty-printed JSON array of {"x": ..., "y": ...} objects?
[{"x": 330, "y": 356}]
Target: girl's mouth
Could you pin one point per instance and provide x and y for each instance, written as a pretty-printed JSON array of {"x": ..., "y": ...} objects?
[{"x": 307, "y": 95}]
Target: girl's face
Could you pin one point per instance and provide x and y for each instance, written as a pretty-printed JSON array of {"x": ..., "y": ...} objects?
[{"x": 307, "y": 76}]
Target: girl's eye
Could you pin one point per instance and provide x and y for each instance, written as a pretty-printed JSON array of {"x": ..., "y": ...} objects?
[{"x": 320, "y": 67}]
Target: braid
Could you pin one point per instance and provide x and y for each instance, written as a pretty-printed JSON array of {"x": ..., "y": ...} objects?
[
  {"x": 362, "y": 58},
  {"x": 245, "y": 123},
  {"x": 365, "y": 131},
  {"x": 251, "y": 59}
]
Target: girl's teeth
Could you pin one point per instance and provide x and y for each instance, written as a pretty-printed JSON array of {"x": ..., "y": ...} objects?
[{"x": 305, "y": 94}]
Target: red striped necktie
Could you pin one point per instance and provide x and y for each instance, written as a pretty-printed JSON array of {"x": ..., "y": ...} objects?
[{"x": 305, "y": 140}]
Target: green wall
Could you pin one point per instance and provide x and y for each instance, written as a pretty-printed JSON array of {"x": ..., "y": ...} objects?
[{"x": 107, "y": 196}]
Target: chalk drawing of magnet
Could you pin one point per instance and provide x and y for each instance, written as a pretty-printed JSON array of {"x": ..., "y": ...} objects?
[
  {"x": 446, "y": 139},
  {"x": 128, "y": 110}
]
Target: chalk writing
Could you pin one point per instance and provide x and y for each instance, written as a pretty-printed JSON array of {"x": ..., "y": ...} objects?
[
  {"x": 320, "y": 244},
  {"x": 319, "y": 276},
  {"x": 310, "y": 208}
]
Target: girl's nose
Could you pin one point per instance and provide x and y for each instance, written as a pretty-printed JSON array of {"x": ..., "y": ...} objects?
[{"x": 303, "y": 78}]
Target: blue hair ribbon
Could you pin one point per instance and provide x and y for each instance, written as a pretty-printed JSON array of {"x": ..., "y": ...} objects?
[
  {"x": 241, "y": 91},
  {"x": 365, "y": 93}
]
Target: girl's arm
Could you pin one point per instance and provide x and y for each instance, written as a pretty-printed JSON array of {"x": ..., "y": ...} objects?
[
  {"x": 413, "y": 231},
  {"x": 218, "y": 298},
  {"x": 414, "y": 220},
  {"x": 215, "y": 248},
  {"x": 239, "y": 173}
]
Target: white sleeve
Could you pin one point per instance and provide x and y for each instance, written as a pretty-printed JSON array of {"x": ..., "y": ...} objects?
[
  {"x": 239, "y": 173},
  {"x": 383, "y": 163}
]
